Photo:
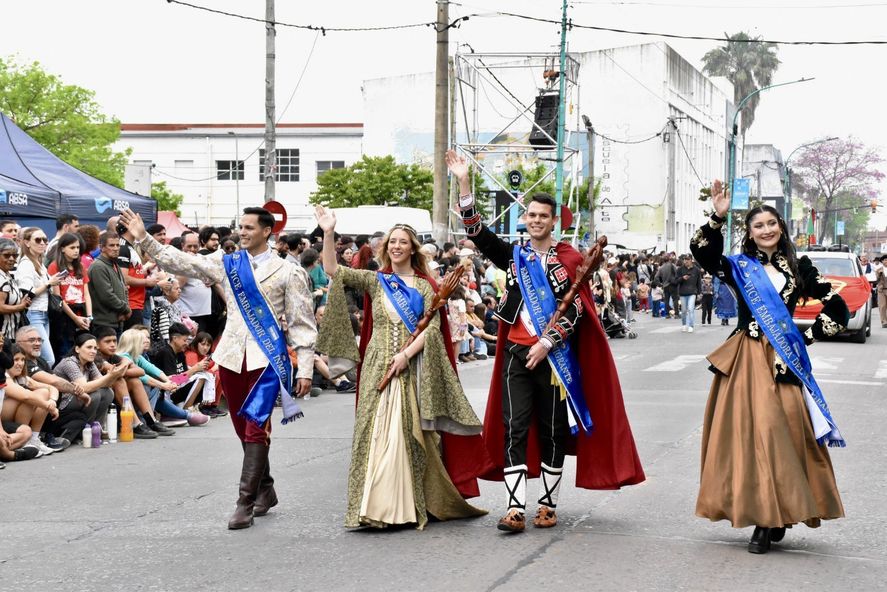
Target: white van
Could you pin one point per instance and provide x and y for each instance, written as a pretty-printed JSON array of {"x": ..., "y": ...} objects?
[{"x": 370, "y": 219}]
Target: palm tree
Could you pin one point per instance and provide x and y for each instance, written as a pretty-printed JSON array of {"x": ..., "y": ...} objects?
[{"x": 749, "y": 64}]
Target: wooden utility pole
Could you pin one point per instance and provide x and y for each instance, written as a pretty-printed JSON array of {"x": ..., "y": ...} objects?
[
  {"x": 270, "y": 109},
  {"x": 440, "y": 202}
]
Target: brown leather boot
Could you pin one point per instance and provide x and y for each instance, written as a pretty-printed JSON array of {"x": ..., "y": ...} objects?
[
  {"x": 255, "y": 459},
  {"x": 267, "y": 497}
]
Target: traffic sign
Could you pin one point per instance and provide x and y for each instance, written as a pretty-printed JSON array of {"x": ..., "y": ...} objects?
[
  {"x": 566, "y": 218},
  {"x": 515, "y": 178},
  {"x": 279, "y": 212}
]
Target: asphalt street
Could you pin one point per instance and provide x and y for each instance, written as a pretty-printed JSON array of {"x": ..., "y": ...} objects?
[{"x": 151, "y": 515}]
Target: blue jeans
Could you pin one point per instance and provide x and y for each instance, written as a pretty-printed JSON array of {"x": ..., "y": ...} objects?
[
  {"x": 163, "y": 406},
  {"x": 479, "y": 346},
  {"x": 39, "y": 319},
  {"x": 688, "y": 309}
]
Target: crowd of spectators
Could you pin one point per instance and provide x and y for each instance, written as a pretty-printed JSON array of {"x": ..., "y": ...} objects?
[
  {"x": 88, "y": 321},
  {"x": 665, "y": 285}
]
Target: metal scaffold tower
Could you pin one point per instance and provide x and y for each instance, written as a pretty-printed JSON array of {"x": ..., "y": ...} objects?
[{"x": 505, "y": 117}]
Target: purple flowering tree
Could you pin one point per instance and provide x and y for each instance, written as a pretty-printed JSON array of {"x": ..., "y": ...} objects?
[{"x": 834, "y": 171}]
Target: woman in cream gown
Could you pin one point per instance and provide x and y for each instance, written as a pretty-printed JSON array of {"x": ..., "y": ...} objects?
[{"x": 397, "y": 474}]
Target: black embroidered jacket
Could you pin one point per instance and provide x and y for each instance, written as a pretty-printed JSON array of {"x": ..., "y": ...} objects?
[
  {"x": 501, "y": 254},
  {"x": 707, "y": 247}
]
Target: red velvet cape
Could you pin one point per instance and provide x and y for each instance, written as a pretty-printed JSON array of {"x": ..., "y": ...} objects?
[
  {"x": 605, "y": 459},
  {"x": 463, "y": 456}
]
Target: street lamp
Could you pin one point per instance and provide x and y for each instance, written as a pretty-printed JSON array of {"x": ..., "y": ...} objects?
[
  {"x": 787, "y": 176},
  {"x": 237, "y": 171},
  {"x": 728, "y": 245}
]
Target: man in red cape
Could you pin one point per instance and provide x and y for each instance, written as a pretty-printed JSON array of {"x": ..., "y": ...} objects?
[
  {"x": 463, "y": 457},
  {"x": 526, "y": 430}
]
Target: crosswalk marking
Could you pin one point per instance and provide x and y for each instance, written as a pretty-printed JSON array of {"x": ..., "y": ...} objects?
[
  {"x": 881, "y": 372},
  {"x": 670, "y": 329},
  {"x": 854, "y": 382},
  {"x": 821, "y": 363},
  {"x": 676, "y": 364}
]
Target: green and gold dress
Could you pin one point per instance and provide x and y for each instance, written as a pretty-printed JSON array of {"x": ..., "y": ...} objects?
[{"x": 397, "y": 475}]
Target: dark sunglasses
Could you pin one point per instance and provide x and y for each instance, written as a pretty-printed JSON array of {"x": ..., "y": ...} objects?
[{"x": 39, "y": 239}]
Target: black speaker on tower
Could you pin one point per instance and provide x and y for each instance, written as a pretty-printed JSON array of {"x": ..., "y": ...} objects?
[{"x": 546, "y": 118}]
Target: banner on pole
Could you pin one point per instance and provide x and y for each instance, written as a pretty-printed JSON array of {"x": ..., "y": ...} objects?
[{"x": 741, "y": 189}]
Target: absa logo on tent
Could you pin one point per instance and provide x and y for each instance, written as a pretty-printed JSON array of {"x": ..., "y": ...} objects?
[{"x": 102, "y": 204}]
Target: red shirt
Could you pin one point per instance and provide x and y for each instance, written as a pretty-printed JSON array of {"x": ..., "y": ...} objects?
[
  {"x": 72, "y": 288},
  {"x": 519, "y": 334}
]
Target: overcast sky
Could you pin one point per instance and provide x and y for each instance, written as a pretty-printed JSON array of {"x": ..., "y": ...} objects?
[{"x": 152, "y": 61}]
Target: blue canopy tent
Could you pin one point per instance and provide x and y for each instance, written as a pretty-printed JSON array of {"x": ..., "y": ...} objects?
[{"x": 43, "y": 186}]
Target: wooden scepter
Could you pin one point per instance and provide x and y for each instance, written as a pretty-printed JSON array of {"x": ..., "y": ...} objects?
[
  {"x": 586, "y": 269},
  {"x": 446, "y": 287}
]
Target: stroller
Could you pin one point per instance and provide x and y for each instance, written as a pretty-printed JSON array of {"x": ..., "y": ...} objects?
[{"x": 614, "y": 324}]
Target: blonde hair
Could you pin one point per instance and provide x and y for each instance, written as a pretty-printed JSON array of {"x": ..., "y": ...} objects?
[
  {"x": 418, "y": 259},
  {"x": 131, "y": 342}
]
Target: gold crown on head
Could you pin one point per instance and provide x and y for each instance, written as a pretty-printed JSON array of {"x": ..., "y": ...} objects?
[{"x": 406, "y": 227}]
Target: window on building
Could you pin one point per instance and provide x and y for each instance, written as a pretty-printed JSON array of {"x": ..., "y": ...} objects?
[
  {"x": 229, "y": 170},
  {"x": 287, "y": 165},
  {"x": 325, "y": 165}
]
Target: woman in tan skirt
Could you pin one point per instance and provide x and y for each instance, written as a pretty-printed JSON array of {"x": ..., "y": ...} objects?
[{"x": 764, "y": 464}]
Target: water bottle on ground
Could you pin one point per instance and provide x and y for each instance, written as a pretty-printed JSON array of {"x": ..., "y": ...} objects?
[
  {"x": 86, "y": 436},
  {"x": 112, "y": 424},
  {"x": 96, "y": 434}
]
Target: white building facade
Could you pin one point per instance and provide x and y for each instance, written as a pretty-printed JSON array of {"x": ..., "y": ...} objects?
[
  {"x": 651, "y": 172},
  {"x": 662, "y": 131},
  {"x": 219, "y": 168}
]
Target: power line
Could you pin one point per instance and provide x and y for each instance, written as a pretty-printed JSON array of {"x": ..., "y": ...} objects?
[
  {"x": 728, "y": 6},
  {"x": 321, "y": 29},
  {"x": 609, "y": 139},
  {"x": 690, "y": 160},
  {"x": 493, "y": 14},
  {"x": 279, "y": 119},
  {"x": 607, "y": 55},
  {"x": 572, "y": 24}
]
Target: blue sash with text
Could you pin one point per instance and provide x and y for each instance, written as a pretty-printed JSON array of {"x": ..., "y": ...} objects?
[
  {"x": 407, "y": 301},
  {"x": 541, "y": 304},
  {"x": 277, "y": 378},
  {"x": 774, "y": 319}
]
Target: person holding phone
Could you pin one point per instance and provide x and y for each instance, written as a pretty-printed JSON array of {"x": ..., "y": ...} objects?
[
  {"x": 13, "y": 302},
  {"x": 34, "y": 279},
  {"x": 74, "y": 291}
]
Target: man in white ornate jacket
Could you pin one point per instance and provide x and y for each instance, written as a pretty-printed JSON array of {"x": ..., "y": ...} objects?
[{"x": 240, "y": 359}]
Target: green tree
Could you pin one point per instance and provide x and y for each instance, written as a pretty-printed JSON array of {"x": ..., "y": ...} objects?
[
  {"x": 63, "y": 118},
  {"x": 375, "y": 180},
  {"x": 165, "y": 198},
  {"x": 747, "y": 63}
]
